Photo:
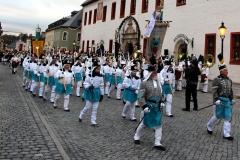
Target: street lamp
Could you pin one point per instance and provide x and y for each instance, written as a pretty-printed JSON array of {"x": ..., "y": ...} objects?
[
  {"x": 222, "y": 31},
  {"x": 74, "y": 43},
  {"x": 37, "y": 47}
]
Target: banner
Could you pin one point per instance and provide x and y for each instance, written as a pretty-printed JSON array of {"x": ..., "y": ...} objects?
[
  {"x": 155, "y": 41},
  {"x": 40, "y": 45},
  {"x": 99, "y": 11}
]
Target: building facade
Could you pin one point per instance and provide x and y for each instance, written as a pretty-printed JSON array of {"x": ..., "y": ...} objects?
[{"x": 194, "y": 25}]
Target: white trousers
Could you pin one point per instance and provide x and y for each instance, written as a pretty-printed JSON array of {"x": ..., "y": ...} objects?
[
  {"x": 41, "y": 89},
  {"x": 179, "y": 85},
  {"x": 79, "y": 85},
  {"x": 131, "y": 106},
  {"x": 226, "y": 124},
  {"x": 24, "y": 81},
  {"x": 66, "y": 100},
  {"x": 168, "y": 104},
  {"x": 184, "y": 82},
  {"x": 89, "y": 105},
  {"x": 158, "y": 134},
  {"x": 47, "y": 89},
  {"x": 34, "y": 86},
  {"x": 107, "y": 87},
  {"x": 118, "y": 94},
  {"x": 205, "y": 87}
]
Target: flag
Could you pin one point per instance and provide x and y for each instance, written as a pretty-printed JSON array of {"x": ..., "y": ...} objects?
[{"x": 151, "y": 25}]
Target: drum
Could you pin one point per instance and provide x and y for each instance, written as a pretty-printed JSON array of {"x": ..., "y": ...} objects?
[
  {"x": 203, "y": 78},
  {"x": 14, "y": 64},
  {"x": 178, "y": 75}
]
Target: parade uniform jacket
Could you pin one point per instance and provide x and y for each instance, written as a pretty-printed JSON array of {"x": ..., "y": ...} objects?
[
  {"x": 25, "y": 66},
  {"x": 131, "y": 85},
  {"x": 94, "y": 94},
  {"x": 33, "y": 69},
  {"x": 116, "y": 75},
  {"x": 52, "y": 70},
  {"x": 222, "y": 90},
  {"x": 151, "y": 97},
  {"x": 69, "y": 81},
  {"x": 43, "y": 72},
  {"x": 78, "y": 71},
  {"x": 165, "y": 74}
]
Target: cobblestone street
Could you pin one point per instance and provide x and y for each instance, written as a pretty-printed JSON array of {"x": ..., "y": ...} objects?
[{"x": 31, "y": 128}]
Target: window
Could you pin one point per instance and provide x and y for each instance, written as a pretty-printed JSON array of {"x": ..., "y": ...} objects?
[
  {"x": 158, "y": 3},
  {"x": 87, "y": 46},
  {"x": 180, "y": 2},
  {"x": 78, "y": 36},
  {"x": 90, "y": 17},
  {"x": 144, "y": 6},
  {"x": 113, "y": 11},
  {"x": 83, "y": 43},
  {"x": 144, "y": 46},
  {"x": 122, "y": 8},
  {"x": 104, "y": 13},
  {"x": 133, "y": 7},
  {"x": 110, "y": 45},
  {"x": 64, "y": 38},
  {"x": 210, "y": 44},
  {"x": 94, "y": 16},
  {"x": 234, "y": 48},
  {"x": 85, "y": 19}
]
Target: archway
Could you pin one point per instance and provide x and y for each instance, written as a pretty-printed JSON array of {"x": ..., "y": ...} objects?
[{"x": 180, "y": 47}]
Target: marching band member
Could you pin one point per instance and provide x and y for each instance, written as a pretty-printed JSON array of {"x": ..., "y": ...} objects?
[
  {"x": 200, "y": 65},
  {"x": 43, "y": 72},
  {"x": 131, "y": 93},
  {"x": 204, "y": 77},
  {"x": 65, "y": 82},
  {"x": 167, "y": 79},
  {"x": 93, "y": 94},
  {"x": 106, "y": 71},
  {"x": 116, "y": 80},
  {"x": 15, "y": 60},
  {"x": 179, "y": 76},
  {"x": 151, "y": 105},
  {"x": 52, "y": 82},
  {"x": 34, "y": 75},
  {"x": 78, "y": 71},
  {"x": 25, "y": 72},
  {"x": 223, "y": 100}
]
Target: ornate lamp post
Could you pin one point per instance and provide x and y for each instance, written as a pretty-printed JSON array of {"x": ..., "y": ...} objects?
[
  {"x": 37, "y": 47},
  {"x": 222, "y": 31}
]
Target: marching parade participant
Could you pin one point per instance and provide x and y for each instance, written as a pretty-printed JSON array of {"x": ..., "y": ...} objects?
[
  {"x": 43, "y": 73},
  {"x": 25, "y": 72},
  {"x": 200, "y": 65},
  {"x": 131, "y": 85},
  {"x": 179, "y": 76},
  {"x": 77, "y": 69},
  {"x": 15, "y": 62},
  {"x": 204, "y": 77},
  {"x": 93, "y": 93},
  {"x": 116, "y": 80},
  {"x": 106, "y": 71},
  {"x": 223, "y": 100},
  {"x": 34, "y": 75},
  {"x": 65, "y": 79},
  {"x": 152, "y": 107},
  {"x": 167, "y": 79},
  {"x": 51, "y": 81}
]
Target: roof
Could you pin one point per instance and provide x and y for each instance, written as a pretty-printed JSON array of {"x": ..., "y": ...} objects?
[
  {"x": 73, "y": 21},
  {"x": 88, "y": 2},
  {"x": 12, "y": 45}
]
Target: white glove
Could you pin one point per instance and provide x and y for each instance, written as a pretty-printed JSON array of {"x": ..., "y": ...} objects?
[
  {"x": 146, "y": 110},
  {"x": 47, "y": 76},
  {"x": 218, "y": 102},
  {"x": 137, "y": 92},
  {"x": 166, "y": 80},
  {"x": 162, "y": 105},
  {"x": 38, "y": 74},
  {"x": 233, "y": 102}
]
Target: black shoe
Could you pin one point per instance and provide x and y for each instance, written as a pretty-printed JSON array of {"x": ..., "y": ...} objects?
[
  {"x": 44, "y": 99},
  {"x": 82, "y": 99},
  {"x": 79, "y": 120},
  {"x": 124, "y": 116},
  {"x": 137, "y": 106},
  {"x": 95, "y": 125},
  {"x": 23, "y": 86},
  {"x": 108, "y": 96},
  {"x": 67, "y": 110},
  {"x": 230, "y": 138},
  {"x": 137, "y": 142},
  {"x": 26, "y": 89},
  {"x": 34, "y": 95},
  {"x": 40, "y": 96},
  {"x": 78, "y": 96},
  {"x": 133, "y": 119},
  {"x": 160, "y": 148},
  {"x": 51, "y": 102},
  {"x": 170, "y": 115},
  {"x": 124, "y": 102},
  {"x": 209, "y": 132},
  {"x": 54, "y": 106},
  {"x": 195, "y": 109},
  {"x": 185, "y": 109},
  {"x": 118, "y": 99}
]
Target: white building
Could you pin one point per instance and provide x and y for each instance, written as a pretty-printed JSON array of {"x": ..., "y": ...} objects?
[{"x": 193, "y": 22}]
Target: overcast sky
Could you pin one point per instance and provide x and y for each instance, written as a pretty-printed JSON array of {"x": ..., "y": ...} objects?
[{"x": 24, "y": 15}]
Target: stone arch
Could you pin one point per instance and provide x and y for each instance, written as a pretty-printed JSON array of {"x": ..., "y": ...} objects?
[{"x": 177, "y": 48}]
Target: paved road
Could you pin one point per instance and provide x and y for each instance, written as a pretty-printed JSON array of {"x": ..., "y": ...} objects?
[{"x": 33, "y": 129}]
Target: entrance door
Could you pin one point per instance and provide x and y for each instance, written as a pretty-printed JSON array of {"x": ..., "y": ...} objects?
[{"x": 129, "y": 48}]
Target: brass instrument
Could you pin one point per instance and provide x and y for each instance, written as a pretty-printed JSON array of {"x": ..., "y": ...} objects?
[
  {"x": 209, "y": 60},
  {"x": 138, "y": 55}
]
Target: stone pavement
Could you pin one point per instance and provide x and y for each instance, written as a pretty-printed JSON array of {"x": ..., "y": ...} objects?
[{"x": 33, "y": 129}]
